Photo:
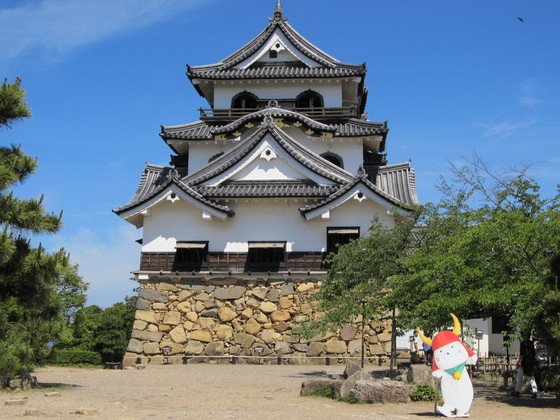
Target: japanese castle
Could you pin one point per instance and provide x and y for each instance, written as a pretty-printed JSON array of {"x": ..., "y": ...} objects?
[{"x": 281, "y": 168}]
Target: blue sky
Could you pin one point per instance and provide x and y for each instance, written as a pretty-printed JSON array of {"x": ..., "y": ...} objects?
[{"x": 453, "y": 78}]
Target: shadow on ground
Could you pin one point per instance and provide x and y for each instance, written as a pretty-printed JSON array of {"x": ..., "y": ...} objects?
[
  {"x": 491, "y": 392},
  {"x": 55, "y": 385}
]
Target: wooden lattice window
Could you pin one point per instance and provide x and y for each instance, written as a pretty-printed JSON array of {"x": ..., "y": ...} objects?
[
  {"x": 245, "y": 100},
  {"x": 337, "y": 236},
  {"x": 309, "y": 99},
  {"x": 334, "y": 159},
  {"x": 190, "y": 256},
  {"x": 266, "y": 256}
]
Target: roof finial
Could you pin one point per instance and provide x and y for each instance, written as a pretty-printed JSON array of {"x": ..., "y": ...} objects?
[
  {"x": 361, "y": 172},
  {"x": 278, "y": 11}
]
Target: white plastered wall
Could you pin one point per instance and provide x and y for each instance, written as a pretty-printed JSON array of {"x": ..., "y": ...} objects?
[
  {"x": 331, "y": 90},
  {"x": 287, "y": 52},
  {"x": 254, "y": 220},
  {"x": 201, "y": 152},
  {"x": 349, "y": 149},
  {"x": 278, "y": 165},
  {"x": 490, "y": 343}
]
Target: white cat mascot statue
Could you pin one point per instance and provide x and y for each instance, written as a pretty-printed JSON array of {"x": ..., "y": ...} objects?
[{"x": 448, "y": 363}]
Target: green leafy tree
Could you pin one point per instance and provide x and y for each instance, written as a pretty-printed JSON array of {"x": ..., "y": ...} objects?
[
  {"x": 486, "y": 251},
  {"x": 356, "y": 283},
  {"x": 38, "y": 290},
  {"x": 105, "y": 331},
  {"x": 13, "y": 106},
  {"x": 85, "y": 325},
  {"x": 113, "y": 331},
  {"x": 548, "y": 315}
]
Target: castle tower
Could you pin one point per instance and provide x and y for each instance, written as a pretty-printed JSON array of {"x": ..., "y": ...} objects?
[{"x": 282, "y": 167}]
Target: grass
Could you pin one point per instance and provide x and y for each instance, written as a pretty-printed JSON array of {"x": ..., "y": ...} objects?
[
  {"x": 328, "y": 391},
  {"x": 423, "y": 393},
  {"x": 79, "y": 366},
  {"x": 325, "y": 391}
]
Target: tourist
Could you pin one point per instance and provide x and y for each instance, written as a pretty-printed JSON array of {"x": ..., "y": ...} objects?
[
  {"x": 526, "y": 366},
  {"x": 414, "y": 348},
  {"x": 428, "y": 353}
]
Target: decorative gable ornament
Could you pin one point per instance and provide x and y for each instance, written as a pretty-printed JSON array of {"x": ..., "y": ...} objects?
[{"x": 268, "y": 154}]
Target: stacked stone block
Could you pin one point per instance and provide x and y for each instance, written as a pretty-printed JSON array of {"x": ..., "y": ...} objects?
[{"x": 251, "y": 320}]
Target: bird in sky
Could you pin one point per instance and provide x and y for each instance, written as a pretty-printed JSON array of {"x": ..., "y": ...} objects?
[{"x": 520, "y": 19}]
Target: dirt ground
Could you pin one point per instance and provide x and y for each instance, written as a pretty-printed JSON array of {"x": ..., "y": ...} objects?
[{"x": 227, "y": 392}]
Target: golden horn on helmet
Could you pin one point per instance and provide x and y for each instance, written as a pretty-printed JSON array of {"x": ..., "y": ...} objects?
[
  {"x": 456, "y": 325},
  {"x": 425, "y": 339}
]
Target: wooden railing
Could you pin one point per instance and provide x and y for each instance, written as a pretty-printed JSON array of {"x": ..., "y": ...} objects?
[
  {"x": 496, "y": 364},
  {"x": 231, "y": 114},
  {"x": 233, "y": 261}
]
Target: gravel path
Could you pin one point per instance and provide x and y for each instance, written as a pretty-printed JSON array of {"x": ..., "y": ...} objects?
[{"x": 225, "y": 392}]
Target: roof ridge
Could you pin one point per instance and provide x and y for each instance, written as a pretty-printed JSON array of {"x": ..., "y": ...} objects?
[
  {"x": 269, "y": 111},
  {"x": 313, "y": 45},
  {"x": 190, "y": 124},
  {"x": 199, "y": 175},
  {"x": 301, "y": 43},
  {"x": 304, "y": 156},
  {"x": 395, "y": 165},
  {"x": 154, "y": 166},
  {"x": 361, "y": 177},
  {"x": 138, "y": 200},
  {"x": 360, "y": 121}
]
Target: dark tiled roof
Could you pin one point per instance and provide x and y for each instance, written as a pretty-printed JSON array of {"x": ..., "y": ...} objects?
[
  {"x": 307, "y": 158},
  {"x": 360, "y": 178},
  {"x": 275, "y": 113},
  {"x": 153, "y": 177},
  {"x": 224, "y": 69},
  {"x": 254, "y": 189},
  {"x": 399, "y": 181},
  {"x": 200, "y": 130},
  {"x": 355, "y": 128},
  {"x": 395, "y": 183},
  {"x": 156, "y": 179},
  {"x": 276, "y": 72}
]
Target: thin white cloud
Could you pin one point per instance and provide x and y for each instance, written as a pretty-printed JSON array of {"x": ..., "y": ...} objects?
[
  {"x": 528, "y": 96},
  {"x": 504, "y": 128},
  {"x": 61, "y": 25},
  {"x": 529, "y": 100}
]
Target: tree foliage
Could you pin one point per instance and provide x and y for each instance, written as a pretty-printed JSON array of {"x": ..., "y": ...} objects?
[
  {"x": 487, "y": 250},
  {"x": 357, "y": 279},
  {"x": 105, "y": 331},
  {"x": 114, "y": 329},
  {"x": 38, "y": 290},
  {"x": 13, "y": 105}
]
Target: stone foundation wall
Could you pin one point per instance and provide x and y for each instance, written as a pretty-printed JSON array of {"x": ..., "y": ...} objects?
[{"x": 235, "y": 320}]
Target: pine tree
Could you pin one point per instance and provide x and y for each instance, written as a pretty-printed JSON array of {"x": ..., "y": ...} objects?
[{"x": 37, "y": 289}]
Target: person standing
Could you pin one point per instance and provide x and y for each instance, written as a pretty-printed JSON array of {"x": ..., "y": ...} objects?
[
  {"x": 414, "y": 348},
  {"x": 526, "y": 366},
  {"x": 428, "y": 354}
]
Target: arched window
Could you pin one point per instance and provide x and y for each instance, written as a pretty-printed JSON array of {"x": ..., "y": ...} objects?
[
  {"x": 333, "y": 158},
  {"x": 216, "y": 156},
  {"x": 309, "y": 99},
  {"x": 245, "y": 100}
]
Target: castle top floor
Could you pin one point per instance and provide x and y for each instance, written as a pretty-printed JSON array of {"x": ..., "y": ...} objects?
[{"x": 280, "y": 64}]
